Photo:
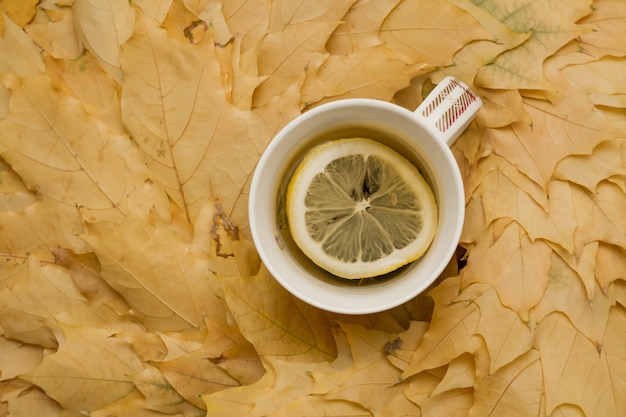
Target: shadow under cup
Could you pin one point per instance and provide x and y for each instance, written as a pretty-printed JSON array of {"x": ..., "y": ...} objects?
[{"x": 393, "y": 126}]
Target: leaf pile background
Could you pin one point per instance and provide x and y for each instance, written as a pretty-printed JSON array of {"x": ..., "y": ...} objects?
[{"x": 129, "y": 285}]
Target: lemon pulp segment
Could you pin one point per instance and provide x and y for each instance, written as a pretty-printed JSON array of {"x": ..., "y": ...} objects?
[{"x": 359, "y": 209}]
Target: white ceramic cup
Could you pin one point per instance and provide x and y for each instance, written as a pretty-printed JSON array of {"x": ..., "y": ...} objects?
[{"x": 422, "y": 136}]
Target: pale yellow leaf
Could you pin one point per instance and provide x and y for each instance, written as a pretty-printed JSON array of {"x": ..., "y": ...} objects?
[
  {"x": 583, "y": 263},
  {"x": 604, "y": 76},
  {"x": 28, "y": 304},
  {"x": 56, "y": 148},
  {"x": 210, "y": 11},
  {"x": 277, "y": 323},
  {"x": 26, "y": 400},
  {"x": 567, "y": 410},
  {"x": 478, "y": 53},
  {"x": 287, "y": 55},
  {"x": 283, "y": 383},
  {"x": 147, "y": 345},
  {"x": 568, "y": 125},
  {"x": 85, "y": 273},
  {"x": 600, "y": 215},
  {"x": 566, "y": 293},
  {"x": 610, "y": 265},
  {"x": 240, "y": 401},
  {"x": 513, "y": 264},
  {"x": 448, "y": 404},
  {"x": 360, "y": 26},
  {"x": 515, "y": 389},
  {"x": 410, "y": 30},
  {"x": 14, "y": 195},
  {"x": 15, "y": 43},
  {"x": 460, "y": 374},
  {"x": 239, "y": 73},
  {"x": 197, "y": 145},
  {"x": 160, "y": 395},
  {"x": 20, "y": 11},
  {"x": 370, "y": 379},
  {"x": 400, "y": 348},
  {"x": 103, "y": 26},
  {"x": 149, "y": 262},
  {"x": 607, "y": 161},
  {"x": 315, "y": 406},
  {"x": 451, "y": 330},
  {"x": 248, "y": 19},
  {"x": 84, "y": 79},
  {"x": 295, "y": 42},
  {"x": 577, "y": 371},
  {"x": 607, "y": 22},
  {"x": 57, "y": 37},
  {"x": 89, "y": 371},
  {"x": 506, "y": 336},
  {"x": 501, "y": 108},
  {"x": 374, "y": 72},
  {"x": 197, "y": 373},
  {"x": 17, "y": 358},
  {"x": 132, "y": 405},
  {"x": 522, "y": 67},
  {"x": 44, "y": 224},
  {"x": 155, "y": 9},
  {"x": 505, "y": 192}
]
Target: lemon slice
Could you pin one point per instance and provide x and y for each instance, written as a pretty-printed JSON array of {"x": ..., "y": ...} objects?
[{"x": 358, "y": 209}]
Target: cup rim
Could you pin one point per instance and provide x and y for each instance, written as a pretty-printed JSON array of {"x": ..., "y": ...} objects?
[{"x": 353, "y": 299}]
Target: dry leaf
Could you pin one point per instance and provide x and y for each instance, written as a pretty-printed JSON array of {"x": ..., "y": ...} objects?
[
  {"x": 601, "y": 393},
  {"x": 607, "y": 35},
  {"x": 275, "y": 322},
  {"x": 64, "y": 154},
  {"x": 360, "y": 27},
  {"x": 18, "y": 358},
  {"x": 294, "y": 43},
  {"x": 408, "y": 30},
  {"x": 506, "y": 336},
  {"x": 383, "y": 74},
  {"x": 25, "y": 58},
  {"x": 57, "y": 36},
  {"x": 450, "y": 333},
  {"x": 315, "y": 406},
  {"x": 150, "y": 264},
  {"x": 103, "y": 26},
  {"x": 522, "y": 67},
  {"x": 21, "y": 12},
  {"x": 90, "y": 370},
  {"x": 564, "y": 293},
  {"x": 516, "y": 389},
  {"x": 514, "y": 265}
]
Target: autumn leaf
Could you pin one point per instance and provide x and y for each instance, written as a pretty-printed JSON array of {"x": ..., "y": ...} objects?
[
  {"x": 450, "y": 333},
  {"x": 583, "y": 361},
  {"x": 294, "y": 44},
  {"x": 103, "y": 26},
  {"x": 278, "y": 324},
  {"x": 360, "y": 27},
  {"x": 510, "y": 254},
  {"x": 138, "y": 259},
  {"x": 565, "y": 290},
  {"x": 521, "y": 67},
  {"x": 385, "y": 73},
  {"x": 73, "y": 378},
  {"x": 408, "y": 30},
  {"x": 514, "y": 389},
  {"x": 51, "y": 154}
]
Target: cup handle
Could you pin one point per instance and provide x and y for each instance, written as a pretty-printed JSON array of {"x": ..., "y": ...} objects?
[{"x": 449, "y": 109}]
